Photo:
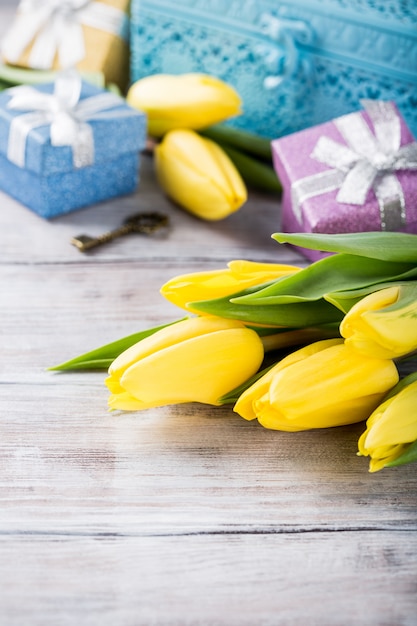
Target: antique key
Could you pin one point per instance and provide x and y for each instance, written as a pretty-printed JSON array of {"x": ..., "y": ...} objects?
[{"x": 145, "y": 223}]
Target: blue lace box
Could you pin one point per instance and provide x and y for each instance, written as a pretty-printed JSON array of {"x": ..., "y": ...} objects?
[
  {"x": 295, "y": 63},
  {"x": 46, "y": 178}
]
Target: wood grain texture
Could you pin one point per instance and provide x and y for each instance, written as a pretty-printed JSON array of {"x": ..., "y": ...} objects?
[
  {"x": 178, "y": 516},
  {"x": 325, "y": 579}
]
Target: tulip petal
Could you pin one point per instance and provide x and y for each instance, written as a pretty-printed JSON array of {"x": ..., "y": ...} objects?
[
  {"x": 171, "y": 335},
  {"x": 199, "y": 369},
  {"x": 197, "y": 175},
  {"x": 390, "y": 437},
  {"x": 227, "y": 175},
  {"x": 246, "y": 404},
  {"x": 183, "y": 101},
  {"x": 395, "y": 422},
  {"x": 349, "y": 411},
  {"x": 219, "y": 283},
  {"x": 124, "y": 401},
  {"x": 383, "y": 324},
  {"x": 408, "y": 454},
  {"x": 322, "y": 385}
]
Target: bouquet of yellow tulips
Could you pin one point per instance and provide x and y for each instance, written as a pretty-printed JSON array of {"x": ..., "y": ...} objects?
[{"x": 254, "y": 331}]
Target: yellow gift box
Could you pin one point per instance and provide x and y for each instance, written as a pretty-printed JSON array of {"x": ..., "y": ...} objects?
[{"x": 91, "y": 35}]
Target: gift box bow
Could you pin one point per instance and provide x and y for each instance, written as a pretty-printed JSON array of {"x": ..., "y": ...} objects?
[
  {"x": 55, "y": 26},
  {"x": 65, "y": 113},
  {"x": 367, "y": 161}
]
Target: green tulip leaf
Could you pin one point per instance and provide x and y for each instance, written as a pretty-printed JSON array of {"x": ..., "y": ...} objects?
[
  {"x": 404, "y": 382},
  {"x": 386, "y": 246},
  {"x": 102, "y": 358},
  {"x": 292, "y": 315},
  {"x": 340, "y": 272},
  {"x": 408, "y": 456},
  {"x": 22, "y": 76},
  {"x": 233, "y": 396}
]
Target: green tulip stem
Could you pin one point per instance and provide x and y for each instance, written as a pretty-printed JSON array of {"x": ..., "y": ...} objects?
[
  {"x": 297, "y": 337},
  {"x": 242, "y": 140}
]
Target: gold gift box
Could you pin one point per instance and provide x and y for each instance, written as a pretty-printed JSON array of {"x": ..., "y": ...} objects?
[{"x": 105, "y": 52}]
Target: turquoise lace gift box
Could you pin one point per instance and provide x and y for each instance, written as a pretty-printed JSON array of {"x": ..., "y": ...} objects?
[
  {"x": 67, "y": 145},
  {"x": 296, "y": 63}
]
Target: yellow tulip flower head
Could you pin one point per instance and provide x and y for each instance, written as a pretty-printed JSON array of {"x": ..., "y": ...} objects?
[
  {"x": 198, "y": 175},
  {"x": 184, "y": 101},
  {"x": 239, "y": 275},
  {"x": 384, "y": 323},
  {"x": 195, "y": 360},
  {"x": 391, "y": 428},
  {"x": 322, "y": 385}
]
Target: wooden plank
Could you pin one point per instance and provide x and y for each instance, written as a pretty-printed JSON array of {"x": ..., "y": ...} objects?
[
  {"x": 52, "y": 312},
  {"x": 69, "y": 466},
  {"x": 319, "y": 579}
]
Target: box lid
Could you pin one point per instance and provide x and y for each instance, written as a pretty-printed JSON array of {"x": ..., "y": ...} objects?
[
  {"x": 116, "y": 130},
  {"x": 378, "y": 34}
]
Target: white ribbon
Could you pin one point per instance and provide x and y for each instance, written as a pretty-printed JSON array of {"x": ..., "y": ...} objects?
[
  {"x": 66, "y": 114},
  {"x": 287, "y": 59},
  {"x": 55, "y": 26},
  {"x": 368, "y": 161}
]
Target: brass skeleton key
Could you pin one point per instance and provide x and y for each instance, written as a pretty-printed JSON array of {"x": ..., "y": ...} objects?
[{"x": 145, "y": 223}]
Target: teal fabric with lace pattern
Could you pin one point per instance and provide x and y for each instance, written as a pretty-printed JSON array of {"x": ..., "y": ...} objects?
[{"x": 295, "y": 63}]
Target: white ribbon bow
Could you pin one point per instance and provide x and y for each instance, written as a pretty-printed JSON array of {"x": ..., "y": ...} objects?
[
  {"x": 66, "y": 114},
  {"x": 55, "y": 26},
  {"x": 367, "y": 162}
]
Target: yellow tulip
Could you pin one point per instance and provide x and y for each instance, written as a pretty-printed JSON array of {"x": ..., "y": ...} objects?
[
  {"x": 391, "y": 428},
  {"x": 322, "y": 385},
  {"x": 384, "y": 323},
  {"x": 208, "y": 285},
  {"x": 196, "y": 360},
  {"x": 184, "y": 101},
  {"x": 198, "y": 175}
]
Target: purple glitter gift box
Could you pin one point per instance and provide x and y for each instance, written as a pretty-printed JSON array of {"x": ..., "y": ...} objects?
[
  {"x": 67, "y": 145},
  {"x": 356, "y": 173}
]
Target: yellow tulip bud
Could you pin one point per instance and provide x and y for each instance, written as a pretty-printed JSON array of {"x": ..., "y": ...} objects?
[
  {"x": 196, "y": 360},
  {"x": 384, "y": 323},
  {"x": 198, "y": 175},
  {"x": 390, "y": 429},
  {"x": 184, "y": 101},
  {"x": 322, "y": 385},
  {"x": 239, "y": 275}
]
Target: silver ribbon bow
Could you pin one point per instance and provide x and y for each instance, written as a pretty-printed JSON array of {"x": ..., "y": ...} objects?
[
  {"x": 66, "y": 114},
  {"x": 368, "y": 161},
  {"x": 55, "y": 26}
]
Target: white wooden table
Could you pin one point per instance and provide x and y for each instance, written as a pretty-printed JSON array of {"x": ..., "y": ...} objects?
[{"x": 182, "y": 515}]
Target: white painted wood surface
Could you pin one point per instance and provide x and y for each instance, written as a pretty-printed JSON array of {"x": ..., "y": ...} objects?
[{"x": 182, "y": 515}]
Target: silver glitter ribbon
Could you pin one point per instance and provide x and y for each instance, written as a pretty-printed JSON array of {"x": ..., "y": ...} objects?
[
  {"x": 367, "y": 161},
  {"x": 55, "y": 26},
  {"x": 66, "y": 115}
]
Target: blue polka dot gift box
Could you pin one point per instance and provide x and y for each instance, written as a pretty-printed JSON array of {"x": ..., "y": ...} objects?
[
  {"x": 355, "y": 173},
  {"x": 295, "y": 63},
  {"x": 67, "y": 145}
]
